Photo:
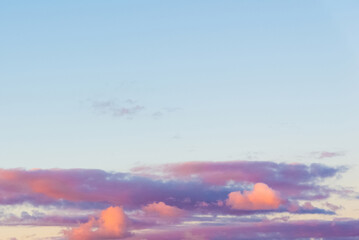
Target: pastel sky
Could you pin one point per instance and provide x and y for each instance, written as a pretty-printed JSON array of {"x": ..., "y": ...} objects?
[{"x": 205, "y": 120}]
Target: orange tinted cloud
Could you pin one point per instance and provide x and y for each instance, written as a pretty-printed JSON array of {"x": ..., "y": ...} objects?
[
  {"x": 163, "y": 210},
  {"x": 84, "y": 231},
  {"x": 113, "y": 221},
  {"x": 261, "y": 197},
  {"x": 111, "y": 224}
]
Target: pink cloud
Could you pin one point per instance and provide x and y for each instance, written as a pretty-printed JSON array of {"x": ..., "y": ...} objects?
[
  {"x": 308, "y": 206},
  {"x": 111, "y": 224},
  {"x": 261, "y": 197},
  {"x": 333, "y": 207},
  {"x": 289, "y": 179},
  {"x": 163, "y": 210},
  {"x": 99, "y": 189},
  {"x": 346, "y": 229},
  {"x": 159, "y": 204},
  {"x": 326, "y": 154},
  {"x": 78, "y": 186}
]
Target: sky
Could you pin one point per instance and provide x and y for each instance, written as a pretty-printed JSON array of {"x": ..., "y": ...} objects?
[{"x": 149, "y": 119}]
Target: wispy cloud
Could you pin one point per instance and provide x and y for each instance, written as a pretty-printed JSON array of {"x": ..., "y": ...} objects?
[
  {"x": 264, "y": 230},
  {"x": 128, "y": 108},
  {"x": 326, "y": 154}
]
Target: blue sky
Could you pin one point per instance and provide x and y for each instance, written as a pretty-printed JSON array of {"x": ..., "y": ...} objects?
[
  {"x": 193, "y": 91},
  {"x": 217, "y": 81}
]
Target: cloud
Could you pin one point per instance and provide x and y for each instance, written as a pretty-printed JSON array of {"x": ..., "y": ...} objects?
[
  {"x": 203, "y": 184},
  {"x": 111, "y": 224},
  {"x": 129, "y": 108},
  {"x": 261, "y": 197},
  {"x": 26, "y": 219},
  {"x": 306, "y": 208},
  {"x": 333, "y": 207},
  {"x": 163, "y": 210},
  {"x": 96, "y": 186},
  {"x": 84, "y": 188},
  {"x": 204, "y": 199},
  {"x": 308, "y": 229},
  {"x": 290, "y": 179},
  {"x": 326, "y": 154}
]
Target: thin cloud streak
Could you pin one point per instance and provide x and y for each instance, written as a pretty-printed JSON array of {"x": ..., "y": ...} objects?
[
  {"x": 326, "y": 154},
  {"x": 263, "y": 230},
  {"x": 111, "y": 107}
]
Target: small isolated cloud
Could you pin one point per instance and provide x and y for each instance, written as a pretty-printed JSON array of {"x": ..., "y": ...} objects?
[
  {"x": 157, "y": 114},
  {"x": 326, "y": 154},
  {"x": 261, "y": 197},
  {"x": 129, "y": 108},
  {"x": 333, "y": 207},
  {"x": 163, "y": 210},
  {"x": 111, "y": 224}
]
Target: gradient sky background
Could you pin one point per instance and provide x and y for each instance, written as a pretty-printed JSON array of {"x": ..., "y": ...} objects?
[{"x": 117, "y": 84}]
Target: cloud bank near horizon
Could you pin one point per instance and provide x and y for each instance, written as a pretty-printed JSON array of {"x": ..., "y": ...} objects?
[{"x": 200, "y": 197}]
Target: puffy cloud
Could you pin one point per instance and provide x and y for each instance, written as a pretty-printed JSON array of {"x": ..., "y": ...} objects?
[
  {"x": 163, "y": 210},
  {"x": 261, "y": 197},
  {"x": 111, "y": 224},
  {"x": 84, "y": 231}
]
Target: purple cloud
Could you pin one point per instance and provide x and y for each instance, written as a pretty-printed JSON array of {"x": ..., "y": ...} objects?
[
  {"x": 326, "y": 154},
  {"x": 294, "y": 180},
  {"x": 158, "y": 198},
  {"x": 261, "y": 230}
]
